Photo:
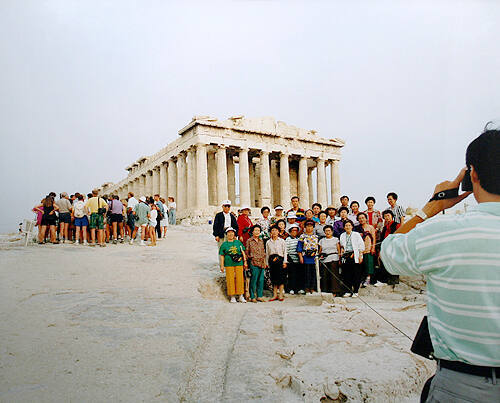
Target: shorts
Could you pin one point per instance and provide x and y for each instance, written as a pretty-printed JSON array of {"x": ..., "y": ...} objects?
[
  {"x": 81, "y": 221},
  {"x": 65, "y": 218},
  {"x": 96, "y": 221},
  {"x": 116, "y": 218},
  {"x": 152, "y": 223},
  {"x": 140, "y": 223},
  {"x": 50, "y": 219}
]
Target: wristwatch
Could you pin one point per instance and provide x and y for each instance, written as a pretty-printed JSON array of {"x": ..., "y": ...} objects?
[{"x": 421, "y": 214}]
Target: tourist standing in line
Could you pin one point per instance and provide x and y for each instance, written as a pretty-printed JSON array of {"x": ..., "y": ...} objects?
[
  {"x": 172, "y": 208},
  {"x": 222, "y": 221},
  {"x": 244, "y": 224},
  {"x": 352, "y": 247},
  {"x": 390, "y": 227},
  {"x": 338, "y": 226},
  {"x": 256, "y": 258},
  {"x": 299, "y": 212},
  {"x": 165, "y": 220},
  {"x": 397, "y": 210},
  {"x": 369, "y": 236},
  {"x": 353, "y": 216},
  {"x": 81, "y": 220},
  {"x": 276, "y": 258},
  {"x": 97, "y": 207},
  {"x": 160, "y": 214},
  {"x": 344, "y": 202},
  {"x": 233, "y": 260},
  {"x": 49, "y": 219},
  {"x": 264, "y": 222},
  {"x": 65, "y": 209},
  {"x": 141, "y": 211},
  {"x": 329, "y": 251},
  {"x": 131, "y": 201},
  {"x": 117, "y": 212},
  {"x": 295, "y": 270},
  {"x": 152, "y": 222},
  {"x": 320, "y": 226},
  {"x": 278, "y": 215},
  {"x": 307, "y": 249}
]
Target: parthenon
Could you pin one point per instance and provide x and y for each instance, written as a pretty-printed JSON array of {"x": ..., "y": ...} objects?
[{"x": 253, "y": 162}]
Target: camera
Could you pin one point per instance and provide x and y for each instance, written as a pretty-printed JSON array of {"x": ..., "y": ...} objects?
[{"x": 467, "y": 182}]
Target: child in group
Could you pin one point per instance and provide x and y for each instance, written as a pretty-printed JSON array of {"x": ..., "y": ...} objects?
[
  {"x": 307, "y": 249},
  {"x": 256, "y": 257},
  {"x": 233, "y": 261},
  {"x": 153, "y": 213},
  {"x": 276, "y": 258}
]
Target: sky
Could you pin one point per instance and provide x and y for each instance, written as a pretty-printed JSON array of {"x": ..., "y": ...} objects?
[{"x": 88, "y": 87}]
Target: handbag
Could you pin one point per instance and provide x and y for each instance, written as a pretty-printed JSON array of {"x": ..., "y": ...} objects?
[
  {"x": 422, "y": 343},
  {"x": 276, "y": 259},
  {"x": 100, "y": 210},
  {"x": 345, "y": 256}
]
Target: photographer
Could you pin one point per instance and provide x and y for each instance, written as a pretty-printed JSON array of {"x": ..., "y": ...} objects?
[{"x": 459, "y": 254}]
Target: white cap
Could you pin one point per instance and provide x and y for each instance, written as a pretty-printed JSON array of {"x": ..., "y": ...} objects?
[
  {"x": 278, "y": 207},
  {"x": 245, "y": 208},
  {"x": 226, "y": 202},
  {"x": 293, "y": 226},
  {"x": 291, "y": 214},
  {"x": 230, "y": 229},
  {"x": 142, "y": 199}
]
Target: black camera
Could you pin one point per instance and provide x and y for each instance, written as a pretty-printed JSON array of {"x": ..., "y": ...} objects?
[{"x": 467, "y": 182}]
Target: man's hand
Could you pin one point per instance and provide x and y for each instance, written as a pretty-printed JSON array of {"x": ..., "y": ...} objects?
[
  {"x": 435, "y": 207},
  {"x": 217, "y": 239},
  {"x": 222, "y": 269}
]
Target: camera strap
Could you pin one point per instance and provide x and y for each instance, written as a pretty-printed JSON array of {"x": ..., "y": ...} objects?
[{"x": 445, "y": 194}]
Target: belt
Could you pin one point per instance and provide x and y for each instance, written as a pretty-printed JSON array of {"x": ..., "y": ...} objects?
[{"x": 477, "y": 370}]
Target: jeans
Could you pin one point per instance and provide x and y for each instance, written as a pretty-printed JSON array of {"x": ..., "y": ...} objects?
[
  {"x": 171, "y": 216},
  {"x": 452, "y": 386},
  {"x": 256, "y": 281}
]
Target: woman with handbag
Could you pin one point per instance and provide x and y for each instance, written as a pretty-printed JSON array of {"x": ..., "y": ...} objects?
[
  {"x": 276, "y": 258},
  {"x": 352, "y": 247},
  {"x": 233, "y": 261}
]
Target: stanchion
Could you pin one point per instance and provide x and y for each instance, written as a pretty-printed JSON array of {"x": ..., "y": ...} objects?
[{"x": 316, "y": 263}]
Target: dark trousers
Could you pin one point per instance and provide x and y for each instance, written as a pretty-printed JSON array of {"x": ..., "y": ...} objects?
[
  {"x": 310, "y": 277},
  {"x": 384, "y": 276},
  {"x": 295, "y": 276},
  {"x": 158, "y": 227},
  {"x": 330, "y": 277},
  {"x": 352, "y": 274}
]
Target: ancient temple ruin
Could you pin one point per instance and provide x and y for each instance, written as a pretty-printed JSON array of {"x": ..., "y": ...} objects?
[{"x": 273, "y": 161}]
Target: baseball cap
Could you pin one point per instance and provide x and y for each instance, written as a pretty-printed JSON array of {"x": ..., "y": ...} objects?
[
  {"x": 291, "y": 214},
  {"x": 293, "y": 226},
  {"x": 230, "y": 229},
  {"x": 226, "y": 203},
  {"x": 278, "y": 207}
]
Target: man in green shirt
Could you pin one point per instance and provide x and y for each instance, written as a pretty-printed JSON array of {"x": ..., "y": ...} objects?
[
  {"x": 141, "y": 211},
  {"x": 460, "y": 255}
]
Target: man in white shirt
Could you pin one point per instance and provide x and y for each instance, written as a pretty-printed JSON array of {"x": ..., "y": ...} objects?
[
  {"x": 222, "y": 221},
  {"x": 132, "y": 201}
]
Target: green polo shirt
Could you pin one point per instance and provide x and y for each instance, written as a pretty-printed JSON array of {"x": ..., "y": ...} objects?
[
  {"x": 460, "y": 256},
  {"x": 231, "y": 248}
]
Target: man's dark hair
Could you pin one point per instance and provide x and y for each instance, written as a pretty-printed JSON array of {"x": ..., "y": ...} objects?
[
  {"x": 361, "y": 214},
  {"x": 255, "y": 226},
  {"x": 295, "y": 197},
  {"x": 264, "y": 209},
  {"x": 89, "y": 195},
  {"x": 344, "y": 197},
  {"x": 394, "y": 195},
  {"x": 354, "y": 202},
  {"x": 484, "y": 155},
  {"x": 348, "y": 222},
  {"x": 80, "y": 197},
  {"x": 343, "y": 208},
  {"x": 316, "y": 204},
  {"x": 115, "y": 197},
  {"x": 323, "y": 212},
  {"x": 370, "y": 198},
  {"x": 327, "y": 226},
  {"x": 388, "y": 212},
  {"x": 275, "y": 226}
]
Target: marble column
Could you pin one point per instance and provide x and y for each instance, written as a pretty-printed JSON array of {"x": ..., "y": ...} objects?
[
  {"x": 334, "y": 171},
  {"x": 201, "y": 176},
  {"x": 191, "y": 179},
  {"x": 172, "y": 179},
  {"x": 142, "y": 185},
  {"x": 303, "y": 185},
  {"x": 258, "y": 200},
  {"x": 285, "y": 181},
  {"x": 244, "y": 178},
  {"x": 222, "y": 175},
  {"x": 155, "y": 188},
  {"x": 312, "y": 198},
  {"x": 265, "y": 179},
  {"x": 163, "y": 178},
  {"x": 251, "y": 170},
  {"x": 321, "y": 183},
  {"x": 181, "y": 182},
  {"x": 294, "y": 178},
  {"x": 148, "y": 186},
  {"x": 275, "y": 182},
  {"x": 231, "y": 179},
  {"x": 212, "y": 178}
]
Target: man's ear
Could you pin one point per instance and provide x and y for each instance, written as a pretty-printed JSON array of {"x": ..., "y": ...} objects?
[{"x": 474, "y": 176}]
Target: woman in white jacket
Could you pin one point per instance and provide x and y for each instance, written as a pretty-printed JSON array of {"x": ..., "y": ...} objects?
[{"x": 351, "y": 252}]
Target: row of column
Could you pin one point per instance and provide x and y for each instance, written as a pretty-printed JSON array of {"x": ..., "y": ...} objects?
[{"x": 197, "y": 179}]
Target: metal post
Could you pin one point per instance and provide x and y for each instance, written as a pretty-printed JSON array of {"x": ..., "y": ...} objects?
[{"x": 316, "y": 263}]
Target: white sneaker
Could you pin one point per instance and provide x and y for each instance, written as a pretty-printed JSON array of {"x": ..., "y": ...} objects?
[
  {"x": 242, "y": 299},
  {"x": 347, "y": 294},
  {"x": 292, "y": 292},
  {"x": 355, "y": 294},
  {"x": 233, "y": 300},
  {"x": 378, "y": 284},
  {"x": 85, "y": 243},
  {"x": 131, "y": 242},
  {"x": 302, "y": 292},
  {"x": 143, "y": 243},
  {"x": 366, "y": 283}
]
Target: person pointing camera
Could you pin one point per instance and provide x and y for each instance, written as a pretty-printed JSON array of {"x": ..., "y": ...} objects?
[{"x": 460, "y": 255}]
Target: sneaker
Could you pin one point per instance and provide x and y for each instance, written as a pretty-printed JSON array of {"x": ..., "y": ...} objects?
[
  {"x": 378, "y": 284},
  {"x": 115, "y": 241},
  {"x": 347, "y": 294},
  {"x": 365, "y": 284},
  {"x": 242, "y": 299},
  {"x": 143, "y": 243},
  {"x": 131, "y": 242},
  {"x": 233, "y": 300},
  {"x": 121, "y": 240},
  {"x": 85, "y": 243},
  {"x": 355, "y": 294},
  {"x": 292, "y": 292},
  {"x": 302, "y": 292}
]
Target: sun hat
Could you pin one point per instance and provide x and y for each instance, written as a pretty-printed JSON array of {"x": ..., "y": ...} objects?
[
  {"x": 226, "y": 202},
  {"x": 244, "y": 208},
  {"x": 278, "y": 207},
  {"x": 230, "y": 229},
  {"x": 291, "y": 214},
  {"x": 293, "y": 226},
  {"x": 142, "y": 199}
]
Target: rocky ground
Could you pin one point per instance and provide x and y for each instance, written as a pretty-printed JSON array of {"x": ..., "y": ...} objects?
[{"x": 130, "y": 323}]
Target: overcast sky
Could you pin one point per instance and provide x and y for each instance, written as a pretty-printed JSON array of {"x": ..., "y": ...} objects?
[{"x": 86, "y": 87}]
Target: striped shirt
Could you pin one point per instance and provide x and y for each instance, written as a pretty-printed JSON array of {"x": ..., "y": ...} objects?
[
  {"x": 460, "y": 255},
  {"x": 291, "y": 249},
  {"x": 398, "y": 212}
]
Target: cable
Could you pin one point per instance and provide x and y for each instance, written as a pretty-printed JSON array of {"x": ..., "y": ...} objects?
[{"x": 366, "y": 303}]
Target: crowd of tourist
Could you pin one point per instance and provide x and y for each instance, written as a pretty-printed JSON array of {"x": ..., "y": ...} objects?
[
  {"x": 97, "y": 220},
  {"x": 281, "y": 251}
]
